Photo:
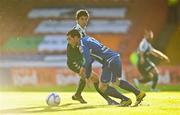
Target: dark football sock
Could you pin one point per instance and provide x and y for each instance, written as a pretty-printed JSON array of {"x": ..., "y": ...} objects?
[
  {"x": 127, "y": 86},
  {"x": 155, "y": 80},
  {"x": 102, "y": 94},
  {"x": 80, "y": 87},
  {"x": 114, "y": 93}
]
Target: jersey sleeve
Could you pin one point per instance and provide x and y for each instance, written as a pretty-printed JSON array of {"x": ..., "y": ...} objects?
[
  {"x": 82, "y": 32},
  {"x": 143, "y": 47}
]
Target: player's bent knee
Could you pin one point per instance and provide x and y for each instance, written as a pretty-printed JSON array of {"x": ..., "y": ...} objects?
[
  {"x": 81, "y": 77},
  {"x": 103, "y": 86},
  {"x": 94, "y": 78}
]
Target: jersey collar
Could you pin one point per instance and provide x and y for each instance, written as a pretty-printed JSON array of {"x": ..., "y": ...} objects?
[{"x": 77, "y": 25}]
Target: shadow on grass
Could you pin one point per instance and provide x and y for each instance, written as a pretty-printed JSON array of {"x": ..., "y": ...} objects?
[{"x": 43, "y": 109}]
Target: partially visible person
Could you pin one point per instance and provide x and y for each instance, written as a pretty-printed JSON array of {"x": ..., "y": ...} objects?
[
  {"x": 73, "y": 54},
  {"x": 145, "y": 65}
]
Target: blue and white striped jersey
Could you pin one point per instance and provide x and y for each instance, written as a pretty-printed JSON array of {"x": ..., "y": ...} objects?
[
  {"x": 81, "y": 30},
  {"x": 94, "y": 50},
  {"x": 144, "y": 46}
]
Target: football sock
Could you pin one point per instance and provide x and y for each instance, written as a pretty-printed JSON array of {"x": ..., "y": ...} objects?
[
  {"x": 80, "y": 88},
  {"x": 155, "y": 79},
  {"x": 114, "y": 93},
  {"x": 102, "y": 94},
  {"x": 127, "y": 86}
]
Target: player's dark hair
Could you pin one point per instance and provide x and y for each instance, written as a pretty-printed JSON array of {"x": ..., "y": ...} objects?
[
  {"x": 81, "y": 12},
  {"x": 74, "y": 33}
]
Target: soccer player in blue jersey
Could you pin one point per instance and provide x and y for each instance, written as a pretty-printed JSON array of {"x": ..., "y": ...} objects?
[
  {"x": 145, "y": 65},
  {"x": 93, "y": 50},
  {"x": 75, "y": 61}
]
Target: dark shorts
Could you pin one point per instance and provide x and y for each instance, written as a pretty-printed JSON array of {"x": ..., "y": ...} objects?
[
  {"x": 145, "y": 68},
  {"x": 111, "y": 71}
]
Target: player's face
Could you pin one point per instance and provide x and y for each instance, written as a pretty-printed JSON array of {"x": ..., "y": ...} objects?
[
  {"x": 82, "y": 21},
  {"x": 73, "y": 41},
  {"x": 149, "y": 36}
]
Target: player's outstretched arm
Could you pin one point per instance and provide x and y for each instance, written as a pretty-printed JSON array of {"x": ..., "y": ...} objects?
[{"x": 159, "y": 54}]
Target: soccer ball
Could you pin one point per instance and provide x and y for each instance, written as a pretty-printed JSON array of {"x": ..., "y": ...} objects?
[{"x": 53, "y": 99}]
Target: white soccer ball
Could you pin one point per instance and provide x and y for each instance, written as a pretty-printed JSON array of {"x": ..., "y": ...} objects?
[{"x": 53, "y": 99}]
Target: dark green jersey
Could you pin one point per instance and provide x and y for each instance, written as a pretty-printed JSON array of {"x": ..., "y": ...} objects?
[{"x": 74, "y": 58}]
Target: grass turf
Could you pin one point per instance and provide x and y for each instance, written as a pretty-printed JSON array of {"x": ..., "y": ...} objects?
[
  {"x": 33, "y": 103},
  {"x": 72, "y": 88}
]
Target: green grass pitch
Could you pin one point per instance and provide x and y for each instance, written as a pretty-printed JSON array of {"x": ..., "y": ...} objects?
[{"x": 33, "y": 103}]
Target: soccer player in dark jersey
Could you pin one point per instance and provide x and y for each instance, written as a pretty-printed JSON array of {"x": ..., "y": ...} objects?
[
  {"x": 145, "y": 65},
  {"x": 92, "y": 50},
  {"x": 75, "y": 61},
  {"x": 74, "y": 57}
]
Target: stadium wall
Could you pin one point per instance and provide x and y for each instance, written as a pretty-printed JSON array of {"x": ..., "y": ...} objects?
[{"x": 49, "y": 76}]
